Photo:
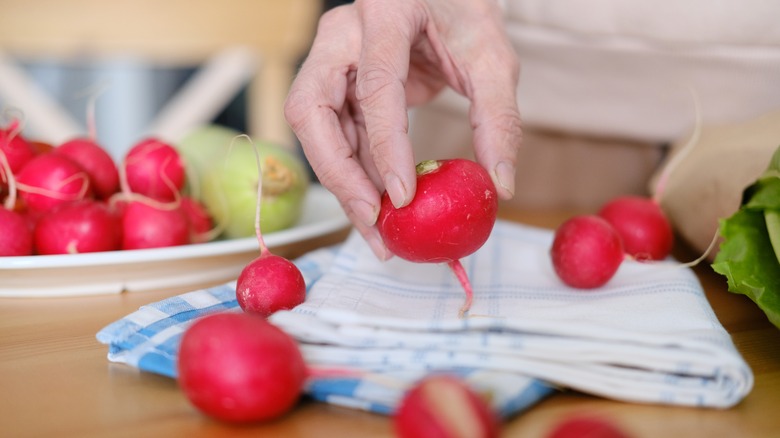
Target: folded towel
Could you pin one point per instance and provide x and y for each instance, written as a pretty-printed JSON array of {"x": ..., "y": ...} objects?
[{"x": 370, "y": 329}]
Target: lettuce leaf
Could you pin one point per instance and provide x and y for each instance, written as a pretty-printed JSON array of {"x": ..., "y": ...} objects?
[{"x": 749, "y": 256}]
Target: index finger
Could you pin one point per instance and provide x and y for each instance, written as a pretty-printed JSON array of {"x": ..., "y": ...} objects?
[{"x": 380, "y": 89}]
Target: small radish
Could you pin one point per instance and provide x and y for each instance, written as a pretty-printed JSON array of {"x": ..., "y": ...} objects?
[
  {"x": 50, "y": 180},
  {"x": 582, "y": 426},
  {"x": 238, "y": 367},
  {"x": 81, "y": 227},
  {"x": 586, "y": 252},
  {"x": 149, "y": 226},
  {"x": 201, "y": 224},
  {"x": 445, "y": 407},
  {"x": 17, "y": 150},
  {"x": 643, "y": 226},
  {"x": 98, "y": 164},
  {"x": 153, "y": 169},
  {"x": 269, "y": 282},
  {"x": 451, "y": 216},
  {"x": 16, "y": 237}
]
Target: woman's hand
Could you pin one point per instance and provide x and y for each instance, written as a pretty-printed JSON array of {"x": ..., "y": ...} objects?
[{"x": 370, "y": 62}]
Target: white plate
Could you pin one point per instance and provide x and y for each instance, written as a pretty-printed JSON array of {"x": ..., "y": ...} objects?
[{"x": 160, "y": 268}]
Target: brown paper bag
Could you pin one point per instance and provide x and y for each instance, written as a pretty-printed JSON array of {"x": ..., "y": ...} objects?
[{"x": 707, "y": 181}]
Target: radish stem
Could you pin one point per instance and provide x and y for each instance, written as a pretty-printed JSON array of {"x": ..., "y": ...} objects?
[
  {"x": 260, "y": 241},
  {"x": 460, "y": 273}
]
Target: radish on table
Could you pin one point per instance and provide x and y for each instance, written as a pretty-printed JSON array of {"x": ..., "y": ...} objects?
[
  {"x": 444, "y": 406},
  {"x": 239, "y": 367},
  {"x": 451, "y": 216},
  {"x": 269, "y": 282},
  {"x": 586, "y": 252}
]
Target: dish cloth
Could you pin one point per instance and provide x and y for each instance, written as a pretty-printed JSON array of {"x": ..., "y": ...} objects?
[{"x": 648, "y": 336}]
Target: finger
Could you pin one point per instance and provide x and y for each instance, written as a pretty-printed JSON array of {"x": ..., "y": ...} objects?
[
  {"x": 380, "y": 89},
  {"x": 312, "y": 108},
  {"x": 371, "y": 236},
  {"x": 494, "y": 115}
]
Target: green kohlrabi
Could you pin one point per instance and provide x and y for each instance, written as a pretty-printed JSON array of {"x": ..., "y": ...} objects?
[{"x": 749, "y": 256}]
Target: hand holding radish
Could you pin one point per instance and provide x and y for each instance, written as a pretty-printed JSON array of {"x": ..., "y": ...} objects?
[
  {"x": 451, "y": 217},
  {"x": 348, "y": 103}
]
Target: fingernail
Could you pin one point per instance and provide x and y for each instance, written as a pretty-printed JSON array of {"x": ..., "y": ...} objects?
[
  {"x": 364, "y": 211},
  {"x": 505, "y": 176},
  {"x": 378, "y": 247},
  {"x": 396, "y": 190}
]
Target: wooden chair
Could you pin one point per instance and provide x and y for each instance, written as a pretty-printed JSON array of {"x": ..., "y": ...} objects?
[{"x": 237, "y": 41}]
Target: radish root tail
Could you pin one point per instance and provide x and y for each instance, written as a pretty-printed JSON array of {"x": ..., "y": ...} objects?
[
  {"x": 460, "y": 273},
  {"x": 260, "y": 241}
]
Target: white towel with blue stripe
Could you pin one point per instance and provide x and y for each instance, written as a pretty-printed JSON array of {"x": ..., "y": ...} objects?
[{"x": 647, "y": 336}]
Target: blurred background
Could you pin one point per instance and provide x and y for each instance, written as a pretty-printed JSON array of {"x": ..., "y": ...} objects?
[{"x": 134, "y": 57}]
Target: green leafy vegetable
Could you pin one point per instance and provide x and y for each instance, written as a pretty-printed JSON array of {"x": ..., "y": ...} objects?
[{"x": 749, "y": 256}]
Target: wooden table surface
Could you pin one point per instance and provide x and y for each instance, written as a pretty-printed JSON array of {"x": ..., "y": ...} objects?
[{"x": 55, "y": 379}]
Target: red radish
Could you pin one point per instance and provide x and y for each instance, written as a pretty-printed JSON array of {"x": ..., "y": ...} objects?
[
  {"x": 586, "y": 252},
  {"x": 81, "y": 227},
  {"x": 643, "y": 226},
  {"x": 41, "y": 147},
  {"x": 201, "y": 224},
  {"x": 16, "y": 237},
  {"x": 149, "y": 226},
  {"x": 17, "y": 150},
  {"x": 445, "y": 407},
  {"x": 50, "y": 180},
  {"x": 268, "y": 283},
  {"x": 154, "y": 169},
  {"x": 239, "y": 367},
  {"x": 98, "y": 164},
  {"x": 582, "y": 427},
  {"x": 451, "y": 216}
]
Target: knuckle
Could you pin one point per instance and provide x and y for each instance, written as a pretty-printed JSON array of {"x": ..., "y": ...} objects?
[
  {"x": 296, "y": 107},
  {"x": 373, "y": 80}
]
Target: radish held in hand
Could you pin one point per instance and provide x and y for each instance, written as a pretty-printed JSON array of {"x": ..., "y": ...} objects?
[
  {"x": 268, "y": 283},
  {"x": 238, "y": 367},
  {"x": 642, "y": 225},
  {"x": 445, "y": 407},
  {"x": 450, "y": 217},
  {"x": 586, "y": 252}
]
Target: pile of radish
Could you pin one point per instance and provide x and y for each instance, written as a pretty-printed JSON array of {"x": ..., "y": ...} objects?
[
  {"x": 73, "y": 198},
  {"x": 587, "y": 250}
]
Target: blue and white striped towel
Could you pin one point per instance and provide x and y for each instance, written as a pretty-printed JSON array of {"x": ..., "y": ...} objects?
[{"x": 649, "y": 335}]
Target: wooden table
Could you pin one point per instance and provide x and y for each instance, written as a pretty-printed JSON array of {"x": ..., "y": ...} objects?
[{"x": 55, "y": 379}]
